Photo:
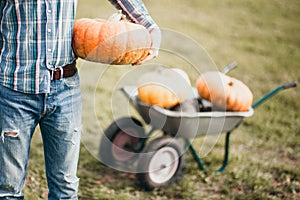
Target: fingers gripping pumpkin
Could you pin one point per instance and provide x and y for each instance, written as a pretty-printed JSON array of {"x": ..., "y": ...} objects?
[
  {"x": 165, "y": 88},
  {"x": 110, "y": 41},
  {"x": 225, "y": 92}
]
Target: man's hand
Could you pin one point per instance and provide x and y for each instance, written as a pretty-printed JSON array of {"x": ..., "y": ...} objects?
[{"x": 155, "y": 34}]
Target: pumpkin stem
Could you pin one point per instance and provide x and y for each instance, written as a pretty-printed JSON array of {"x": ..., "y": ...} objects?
[
  {"x": 230, "y": 83},
  {"x": 116, "y": 17}
]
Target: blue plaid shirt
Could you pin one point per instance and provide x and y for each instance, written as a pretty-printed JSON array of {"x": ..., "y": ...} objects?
[{"x": 36, "y": 36}]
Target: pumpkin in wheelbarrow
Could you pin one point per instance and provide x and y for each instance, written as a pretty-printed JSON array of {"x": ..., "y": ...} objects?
[
  {"x": 224, "y": 91},
  {"x": 110, "y": 41},
  {"x": 164, "y": 87}
]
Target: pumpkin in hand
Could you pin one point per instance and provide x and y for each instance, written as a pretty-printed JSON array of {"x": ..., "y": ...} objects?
[
  {"x": 110, "y": 41},
  {"x": 224, "y": 91},
  {"x": 164, "y": 87}
]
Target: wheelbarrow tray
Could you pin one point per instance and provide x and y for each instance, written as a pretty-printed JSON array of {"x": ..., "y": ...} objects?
[{"x": 185, "y": 124}]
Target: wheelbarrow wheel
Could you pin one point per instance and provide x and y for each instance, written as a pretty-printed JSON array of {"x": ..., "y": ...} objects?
[
  {"x": 161, "y": 163},
  {"x": 121, "y": 142}
]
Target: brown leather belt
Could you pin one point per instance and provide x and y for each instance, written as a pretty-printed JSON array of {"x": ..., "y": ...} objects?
[{"x": 63, "y": 72}]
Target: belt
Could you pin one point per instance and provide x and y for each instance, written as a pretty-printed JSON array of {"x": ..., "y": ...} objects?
[{"x": 63, "y": 72}]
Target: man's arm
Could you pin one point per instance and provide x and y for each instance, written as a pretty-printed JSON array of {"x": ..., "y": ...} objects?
[{"x": 135, "y": 12}]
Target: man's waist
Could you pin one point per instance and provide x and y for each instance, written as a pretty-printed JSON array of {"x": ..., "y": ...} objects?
[{"x": 63, "y": 72}]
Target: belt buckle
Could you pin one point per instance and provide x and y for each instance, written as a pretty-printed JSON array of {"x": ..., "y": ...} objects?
[{"x": 53, "y": 72}]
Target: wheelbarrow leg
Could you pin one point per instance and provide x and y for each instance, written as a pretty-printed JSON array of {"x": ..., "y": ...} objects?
[
  {"x": 195, "y": 155},
  {"x": 226, "y": 153}
]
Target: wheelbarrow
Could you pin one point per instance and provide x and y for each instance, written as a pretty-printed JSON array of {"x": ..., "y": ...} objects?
[{"x": 160, "y": 160}]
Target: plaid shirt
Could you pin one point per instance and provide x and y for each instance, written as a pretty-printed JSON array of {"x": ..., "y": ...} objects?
[{"x": 36, "y": 36}]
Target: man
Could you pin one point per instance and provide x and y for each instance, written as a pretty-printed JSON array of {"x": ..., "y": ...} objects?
[{"x": 39, "y": 85}]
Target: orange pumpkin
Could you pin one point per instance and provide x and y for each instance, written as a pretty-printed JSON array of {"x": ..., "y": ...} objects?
[
  {"x": 110, "y": 42},
  {"x": 224, "y": 91},
  {"x": 165, "y": 87}
]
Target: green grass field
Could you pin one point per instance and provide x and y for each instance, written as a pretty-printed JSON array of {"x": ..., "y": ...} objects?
[{"x": 263, "y": 37}]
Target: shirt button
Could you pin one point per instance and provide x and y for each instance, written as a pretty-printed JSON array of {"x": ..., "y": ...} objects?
[
  {"x": 49, "y": 30},
  {"x": 49, "y": 50},
  {"x": 49, "y": 11}
]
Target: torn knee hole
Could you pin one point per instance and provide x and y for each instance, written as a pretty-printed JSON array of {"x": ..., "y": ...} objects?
[
  {"x": 13, "y": 133},
  {"x": 9, "y": 133}
]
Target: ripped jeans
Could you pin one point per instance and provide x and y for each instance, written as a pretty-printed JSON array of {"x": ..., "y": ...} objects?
[{"x": 58, "y": 114}]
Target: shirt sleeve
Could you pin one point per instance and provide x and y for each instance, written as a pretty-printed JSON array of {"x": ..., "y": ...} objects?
[{"x": 135, "y": 11}]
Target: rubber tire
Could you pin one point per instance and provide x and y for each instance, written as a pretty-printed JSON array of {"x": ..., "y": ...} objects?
[
  {"x": 151, "y": 149},
  {"x": 112, "y": 133}
]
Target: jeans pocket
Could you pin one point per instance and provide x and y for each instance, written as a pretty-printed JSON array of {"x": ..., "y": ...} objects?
[
  {"x": 9, "y": 93},
  {"x": 73, "y": 81}
]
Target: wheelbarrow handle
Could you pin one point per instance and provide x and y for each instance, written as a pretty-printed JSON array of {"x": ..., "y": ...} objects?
[
  {"x": 273, "y": 92},
  {"x": 229, "y": 67},
  {"x": 289, "y": 85}
]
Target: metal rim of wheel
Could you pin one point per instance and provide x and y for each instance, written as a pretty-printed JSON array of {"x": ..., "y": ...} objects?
[
  {"x": 118, "y": 145},
  {"x": 121, "y": 143},
  {"x": 160, "y": 163},
  {"x": 163, "y": 165}
]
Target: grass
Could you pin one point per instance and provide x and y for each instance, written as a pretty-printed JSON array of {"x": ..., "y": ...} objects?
[{"x": 263, "y": 37}]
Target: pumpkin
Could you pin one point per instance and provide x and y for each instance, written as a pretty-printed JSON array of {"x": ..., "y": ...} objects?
[
  {"x": 110, "y": 41},
  {"x": 224, "y": 91},
  {"x": 164, "y": 87}
]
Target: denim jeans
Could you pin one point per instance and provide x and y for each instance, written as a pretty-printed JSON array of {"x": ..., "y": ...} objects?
[{"x": 58, "y": 114}]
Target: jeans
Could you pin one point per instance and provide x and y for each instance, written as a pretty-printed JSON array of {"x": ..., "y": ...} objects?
[{"x": 58, "y": 114}]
